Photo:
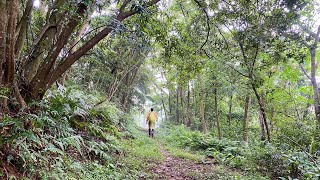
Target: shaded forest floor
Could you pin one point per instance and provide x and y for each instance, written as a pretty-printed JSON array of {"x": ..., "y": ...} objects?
[{"x": 156, "y": 159}]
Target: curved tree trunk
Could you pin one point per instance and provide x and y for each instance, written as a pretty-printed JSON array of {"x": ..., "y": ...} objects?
[
  {"x": 44, "y": 63},
  {"x": 264, "y": 127}
]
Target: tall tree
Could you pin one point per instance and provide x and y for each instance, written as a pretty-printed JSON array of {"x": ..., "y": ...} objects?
[{"x": 43, "y": 62}]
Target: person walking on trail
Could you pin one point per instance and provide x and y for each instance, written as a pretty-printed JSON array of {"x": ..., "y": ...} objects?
[{"x": 151, "y": 119}]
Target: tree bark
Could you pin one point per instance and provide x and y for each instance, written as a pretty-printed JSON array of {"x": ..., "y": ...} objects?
[
  {"x": 314, "y": 67},
  {"x": 22, "y": 28},
  {"x": 9, "y": 69},
  {"x": 246, "y": 119},
  {"x": 195, "y": 103},
  {"x": 230, "y": 109},
  {"x": 216, "y": 112},
  {"x": 177, "y": 106},
  {"x": 41, "y": 79},
  {"x": 264, "y": 126},
  {"x": 164, "y": 109},
  {"x": 45, "y": 40},
  {"x": 170, "y": 103},
  {"x": 3, "y": 36},
  {"x": 188, "y": 116},
  {"x": 182, "y": 108},
  {"x": 202, "y": 106},
  {"x": 162, "y": 99},
  {"x": 8, "y": 18}
]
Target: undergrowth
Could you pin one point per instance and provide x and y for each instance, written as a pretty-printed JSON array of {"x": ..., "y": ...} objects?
[
  {"x": 66, "y": 138},
  {"x": 257, "y": 158}
]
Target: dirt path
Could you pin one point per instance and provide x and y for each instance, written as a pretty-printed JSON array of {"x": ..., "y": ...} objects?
[
  {"x": 180, "y": 169},
  {"x": 184, "y": 167}
]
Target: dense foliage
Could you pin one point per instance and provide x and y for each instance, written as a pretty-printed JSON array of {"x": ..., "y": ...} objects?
[
  {"x": 277, "y": 162},
  {"x": 235, "y": 81}
]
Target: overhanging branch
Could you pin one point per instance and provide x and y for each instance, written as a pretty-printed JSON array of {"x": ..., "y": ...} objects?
[{"x": 208, "y": 24}]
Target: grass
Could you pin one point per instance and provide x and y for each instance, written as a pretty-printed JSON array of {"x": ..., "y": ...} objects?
[
  {"x": 141, "y": 154},
  {"x": 181, "y": 153}
]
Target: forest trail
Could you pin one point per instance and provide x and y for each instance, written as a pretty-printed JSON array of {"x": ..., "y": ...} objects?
[
  {"x": 177, "y": 164},
  {"x": 178, "y": 168}
]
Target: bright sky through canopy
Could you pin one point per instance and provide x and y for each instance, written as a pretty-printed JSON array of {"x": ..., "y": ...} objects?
[{"x": 36, "y": 3}]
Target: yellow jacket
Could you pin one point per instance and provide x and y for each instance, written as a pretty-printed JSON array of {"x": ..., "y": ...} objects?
[{"x": 152, "y": 116}]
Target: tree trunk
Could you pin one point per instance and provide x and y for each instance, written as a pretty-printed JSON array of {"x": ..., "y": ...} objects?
[
  {"x": 202, "y": 116},
  {"x": 22, "y": 28},
  {"x": 262, "y": 111},
  {"x": 9, "y": 15},
  {"x": 9, "y": 65},
  {"x": 170, "y": 103},
  {"x": 162, "y": 98},
  {"x": 314, "y": 67},
  {"x": 44, "y": 64},
  {"x": 164, "y": 109},
  {"x": 230, "y": 109},
  {"x": 177, "y": 106},
  {"x": 216, "y": 112},
  {"x": 188, "y": 117},
  {"x": 3, "y": 38},
  {"x": 194, "y": 100},
  {"x": 262, "y": 126},
  {"x": 125, "y": 92},
  {"x": 182, "y": 110},
  {"x": 202, "y": 107},
  {"x": 246, "y": 119}
]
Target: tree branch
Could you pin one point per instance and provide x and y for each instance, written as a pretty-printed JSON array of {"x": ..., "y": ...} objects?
[
  {"x": 21, "y": 29},
  {"x": 242, "y": 74},
  {"x": 304, "y": 71},
  {"x": 46, "y": 68},
  {"x": 307, "y": 30},
  {"x": 317, "y": 37},
  {"x": 208, "y": 24},
  {"x": 125, "y": 3},
  {"x": 72, "y": 58}
]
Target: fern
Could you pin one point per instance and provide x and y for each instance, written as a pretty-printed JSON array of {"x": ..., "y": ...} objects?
[
  {"x": 53, "y": 149},
  {"x": 100, "y": 150},
  {"x": 44, "y": 150},
  {"x": 73, "y": 141}
]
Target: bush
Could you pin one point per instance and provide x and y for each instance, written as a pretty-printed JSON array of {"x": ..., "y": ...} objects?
[
  {"x": 273, "y": 161},
  {"x": 222, "y": 150},
  {"x": 59, "y": 139}
]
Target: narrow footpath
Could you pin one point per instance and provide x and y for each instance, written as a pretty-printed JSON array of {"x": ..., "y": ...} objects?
[
  {"x": 184, "y": 166},
  {"x": 179, "y": 169}
]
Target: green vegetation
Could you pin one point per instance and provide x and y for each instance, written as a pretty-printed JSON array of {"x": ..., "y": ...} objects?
[
  {"x": 234, "y": 83},
  {"x": 260, "y": 158}
]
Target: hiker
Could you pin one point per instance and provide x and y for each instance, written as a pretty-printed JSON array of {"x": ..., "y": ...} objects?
[{"x": 151, "y": 119}]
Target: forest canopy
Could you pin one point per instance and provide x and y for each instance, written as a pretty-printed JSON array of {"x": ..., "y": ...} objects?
[{"x": 243, "y": 73}]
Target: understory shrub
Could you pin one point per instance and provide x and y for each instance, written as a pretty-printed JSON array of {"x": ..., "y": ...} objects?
[
  {"x": 276, "y": 162},
  {"x": 62, "y": 138}
]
